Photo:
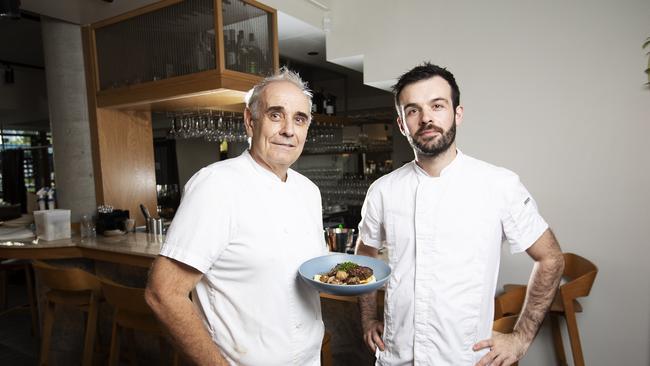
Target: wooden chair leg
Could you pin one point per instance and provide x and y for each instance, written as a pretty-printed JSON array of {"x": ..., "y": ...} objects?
[
  {"x": 558, "y": 344},
  {"x": 164, "y": 345},
  {"x": 574, "y": 335},
  {"x": 176, "y": 358},
  {"x": 48, "y": 322},
  {"x": 99, "y": 347},
  {"x": 3, "y": 289},
  {"x": 31, "y": 295},
  {"x": 325, "y": 351},
  {"x": 91, "y": 330},
  {"x": 130, "y": 336},
  {"x": 114, "y": 356}
]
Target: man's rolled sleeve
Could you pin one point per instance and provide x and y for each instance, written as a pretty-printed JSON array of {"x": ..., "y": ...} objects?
[
  {"x": 370, "y": 227},
  {"x": 201, "y": 227},
  {"x": 522, "y": 223}
]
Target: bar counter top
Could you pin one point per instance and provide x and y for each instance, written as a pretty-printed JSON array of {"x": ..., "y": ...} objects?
[{"x": 138, "y": 249}]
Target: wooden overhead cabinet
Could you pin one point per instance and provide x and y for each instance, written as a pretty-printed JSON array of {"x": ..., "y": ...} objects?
[{"x": 167, "y": 56}]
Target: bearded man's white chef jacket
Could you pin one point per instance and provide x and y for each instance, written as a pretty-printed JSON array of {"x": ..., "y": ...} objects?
[
  {"x": 248, "y": 232},
  {"x": 444, "y": 236}
]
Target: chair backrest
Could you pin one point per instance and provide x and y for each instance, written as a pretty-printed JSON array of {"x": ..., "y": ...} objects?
[
  {"x": 579, "y": 273},
  {"x": 124, "y": 297},
  {"x": 509, "y": 302},
  {"x": 66, "y": 278},
  {"x": 505, "y": 324}
]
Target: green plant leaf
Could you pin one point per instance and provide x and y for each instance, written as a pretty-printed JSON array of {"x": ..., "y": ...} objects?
[{"x": 646, "y": 43}]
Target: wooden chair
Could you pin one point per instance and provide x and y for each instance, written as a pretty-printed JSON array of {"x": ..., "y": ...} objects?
[
  {"x": 131, "y": 312},
  {"x": 577, "y": 279},
  {"x": 326, "y": 350},
  {"x": 505, "y": 324},
  {"x": 7, "y": 265},
  {"x": 69, "y": 286}
]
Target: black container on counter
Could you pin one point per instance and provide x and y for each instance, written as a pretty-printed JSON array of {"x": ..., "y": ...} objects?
[{"x": 111, "y": 221}]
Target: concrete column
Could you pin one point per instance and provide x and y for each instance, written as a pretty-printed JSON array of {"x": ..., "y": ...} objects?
[{"x": 68, "y": 105}]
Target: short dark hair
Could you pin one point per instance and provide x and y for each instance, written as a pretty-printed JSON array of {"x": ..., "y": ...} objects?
[{"x": 425, "y": 71}]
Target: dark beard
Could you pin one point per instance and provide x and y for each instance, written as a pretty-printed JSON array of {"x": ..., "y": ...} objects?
[{"x": 438, "y": 146}]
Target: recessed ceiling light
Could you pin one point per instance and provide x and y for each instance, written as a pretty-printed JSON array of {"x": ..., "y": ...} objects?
[{"x": 312, "y": 53}]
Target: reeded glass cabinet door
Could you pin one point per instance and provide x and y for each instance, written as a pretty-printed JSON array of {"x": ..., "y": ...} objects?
[
  {"x": 172, "y": 41},
  {"x": 247, "y": 38}
]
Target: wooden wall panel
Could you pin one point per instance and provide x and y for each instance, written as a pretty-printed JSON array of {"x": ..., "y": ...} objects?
[{"x": 127, "y": 163}]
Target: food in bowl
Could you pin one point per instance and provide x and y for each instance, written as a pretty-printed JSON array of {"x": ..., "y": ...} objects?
[{"x": 347, "y": 273}]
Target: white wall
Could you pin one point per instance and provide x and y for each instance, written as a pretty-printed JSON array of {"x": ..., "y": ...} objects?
[{"x": 554, "y": 91}]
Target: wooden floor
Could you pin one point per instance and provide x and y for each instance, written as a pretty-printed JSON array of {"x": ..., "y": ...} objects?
[{"x": 18, "y": 347}]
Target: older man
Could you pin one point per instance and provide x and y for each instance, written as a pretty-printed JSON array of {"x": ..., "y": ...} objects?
[
  {"x": 242, "y": 230},
  {"x": 443, "y": 218}
]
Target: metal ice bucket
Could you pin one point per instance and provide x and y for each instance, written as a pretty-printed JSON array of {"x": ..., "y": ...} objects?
[{"x": 340, "y": 239}]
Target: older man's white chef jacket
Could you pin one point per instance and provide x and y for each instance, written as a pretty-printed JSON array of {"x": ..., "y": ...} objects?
[
  {"x": 443, "y": 236},
  {"x": 248, "y": 232}
]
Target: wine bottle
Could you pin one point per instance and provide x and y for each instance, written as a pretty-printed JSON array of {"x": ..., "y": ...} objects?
[
  {"x": 332, "y": 105},
  {"x": 323, "y": 107},
  {"x": 242, "y": 54},
  {"x": 231, "y": 50},
  {"x": 317, "y": 102},
  {"x": 254, "y": 55}
]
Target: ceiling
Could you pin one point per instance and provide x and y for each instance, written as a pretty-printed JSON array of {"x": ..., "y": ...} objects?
[
  {"x": 82, "y": 11},
  {"x": 295, "y": 37}
]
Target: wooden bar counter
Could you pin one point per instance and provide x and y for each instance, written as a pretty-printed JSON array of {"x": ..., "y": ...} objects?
[{"x": 136, "y": 249}]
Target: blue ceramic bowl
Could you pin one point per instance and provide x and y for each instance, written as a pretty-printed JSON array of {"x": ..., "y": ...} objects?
[{"x": 324, "y": 264}]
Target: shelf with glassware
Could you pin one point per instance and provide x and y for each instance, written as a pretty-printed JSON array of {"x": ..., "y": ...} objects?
[
  {"x": 340, "y": 135},
  {"x": 206, "y": 52},
  {"x": 343, "y": 160},
  {"x": 212, "y": 125}
]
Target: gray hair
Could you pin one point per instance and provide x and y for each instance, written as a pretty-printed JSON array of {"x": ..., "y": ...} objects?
[{"x": 253, "y": 96}]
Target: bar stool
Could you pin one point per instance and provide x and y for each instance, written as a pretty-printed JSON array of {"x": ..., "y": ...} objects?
[
  {"x": 326, "y": 350},
  {"x": 69, "y": 286},
  {"x": 7, "y": 265},
  {"x": 131, "y": 312}
]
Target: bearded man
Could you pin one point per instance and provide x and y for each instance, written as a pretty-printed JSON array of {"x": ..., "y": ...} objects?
[{"x": 443, "y": 218}]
